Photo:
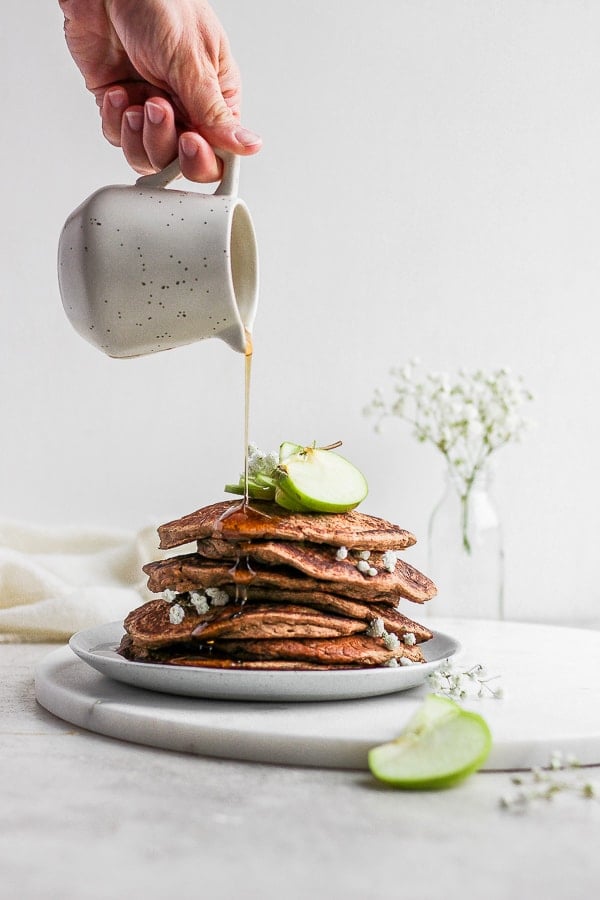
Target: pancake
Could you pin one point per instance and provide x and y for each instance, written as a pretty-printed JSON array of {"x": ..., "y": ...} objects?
[
  {"x": 267, "y": 521},
  {"x": 268, "y": 621},
  {"x": 174, "y": 656},
  {"x": 274, "y": 590},
  {"x": 150, "y": 626},
  {"x": 357, "y": 650},
  {"x": 191, "y": 572},
  {"x": 393, "y": 620}
]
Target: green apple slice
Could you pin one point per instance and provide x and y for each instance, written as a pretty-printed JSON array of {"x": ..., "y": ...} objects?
[
  {"x": 441, "y": 745},
  {"x": 319, "y": 480},
  {"x": 287, "y": 449},
  {"x": 265, "y": 481},
  {"x": 282, "y": 499},
  {"x": 256, "y": 490}
]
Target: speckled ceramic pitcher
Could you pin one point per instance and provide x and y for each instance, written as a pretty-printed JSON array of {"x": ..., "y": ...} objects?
[{"x": 144, "y": 268}]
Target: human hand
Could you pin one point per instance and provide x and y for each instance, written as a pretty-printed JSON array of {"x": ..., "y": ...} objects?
[{"x": 165, "y": 81}]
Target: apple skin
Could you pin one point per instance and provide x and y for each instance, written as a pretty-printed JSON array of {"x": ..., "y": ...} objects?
[
  {"x": 288, "y": 449},
  {"x": 308, "y": 479},
  {"x": 321, "y": 481},
  {"x": 439, "y": 728},
  {"x": 290, "y": 503},
  {"x": 256, "y": 490}
]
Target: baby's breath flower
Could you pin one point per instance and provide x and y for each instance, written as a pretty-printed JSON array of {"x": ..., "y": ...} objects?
[
  {"x": 363, "y": 566},
  {"x": 199, "y": 602},
  {"x": 389, "y": 560},
  {"x": 261, "y": 462},
  {"x": 436, "y": 681},
  {"x": 467, "y": 417},
  {"x": 460, "y": 682},
  {"x": 341, "y": 553},
  {"x": 217, "y": 596},
  {"x": 562, "y": 775},
  {"x": 376, "y": 628},
  {"x": 169, "y": 595},
  {"x": 391, "y": 641},
  {"x": 176, "y": 614}
]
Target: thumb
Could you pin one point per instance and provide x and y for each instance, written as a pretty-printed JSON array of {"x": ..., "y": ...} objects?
[
  {"x": 232, "y": 137},
  {"x": 213, "y": 110}
]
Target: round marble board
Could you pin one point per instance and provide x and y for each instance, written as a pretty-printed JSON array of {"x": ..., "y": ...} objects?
[{"x": 550, "y": 677}]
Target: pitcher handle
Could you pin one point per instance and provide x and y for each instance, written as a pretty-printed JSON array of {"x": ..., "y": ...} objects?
[{"x": 229, "y": 179}]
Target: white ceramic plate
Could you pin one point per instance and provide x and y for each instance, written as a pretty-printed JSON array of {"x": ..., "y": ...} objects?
[{"x": 97, "y": 647}]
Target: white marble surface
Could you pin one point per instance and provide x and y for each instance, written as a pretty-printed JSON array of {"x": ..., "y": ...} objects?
[
  {"x": 86, "y": 817},
  {"x": 546, "y": 704}
]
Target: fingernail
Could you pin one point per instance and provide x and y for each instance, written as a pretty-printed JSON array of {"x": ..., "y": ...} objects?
[
  {"x": 155, "y": 113},
  {"x": 245, "y": 137},
  {"x": 135, "y": 119},
  {"x": 117, "y": 98},
  {"x": 188, "y": 146}
]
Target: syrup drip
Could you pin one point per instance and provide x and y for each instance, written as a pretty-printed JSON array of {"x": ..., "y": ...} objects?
[
  {"x": 242, "y": 506},
  {"x": 247, "y": 379},
  {"x": 242, "y": 574}
]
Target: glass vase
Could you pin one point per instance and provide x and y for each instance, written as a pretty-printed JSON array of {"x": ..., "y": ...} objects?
[{"x": 465, "y": 552}]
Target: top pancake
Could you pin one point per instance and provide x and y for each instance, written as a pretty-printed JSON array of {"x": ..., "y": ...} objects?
[{"x": 268, "y": 521}]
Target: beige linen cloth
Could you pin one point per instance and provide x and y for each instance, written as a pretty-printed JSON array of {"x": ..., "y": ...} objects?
[{"x": 54, "y": 582}]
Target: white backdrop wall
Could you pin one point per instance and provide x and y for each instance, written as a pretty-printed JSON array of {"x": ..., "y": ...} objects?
[{"x": 428, "y": 186}]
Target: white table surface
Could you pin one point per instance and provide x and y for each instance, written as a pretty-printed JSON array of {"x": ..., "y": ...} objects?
[
  {"x": 84, "y": 816},
  {"x": 546, "y": 704}
]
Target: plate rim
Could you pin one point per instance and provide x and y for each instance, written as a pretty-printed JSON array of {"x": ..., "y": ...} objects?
[{"x": 112, "y": 665}]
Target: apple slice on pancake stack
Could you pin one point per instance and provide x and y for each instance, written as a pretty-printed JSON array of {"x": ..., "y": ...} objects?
[{"x": 268, "y": 588}]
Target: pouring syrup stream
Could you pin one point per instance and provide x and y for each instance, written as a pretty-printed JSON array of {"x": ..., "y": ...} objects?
[
  {"x": 242, "y": 574},
  {"x": 248, "y": 374}
]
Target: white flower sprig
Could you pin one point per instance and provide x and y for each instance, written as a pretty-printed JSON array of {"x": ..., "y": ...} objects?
[
  {"x": 261, "y": 462},
  {"x": 467, "y": 418},
  {"x": 462, "y": 682},
  {"x": 563, "y": 775}
]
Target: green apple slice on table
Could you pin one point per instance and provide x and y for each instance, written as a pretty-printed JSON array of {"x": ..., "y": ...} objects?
[{"x": 442, "y": 744}]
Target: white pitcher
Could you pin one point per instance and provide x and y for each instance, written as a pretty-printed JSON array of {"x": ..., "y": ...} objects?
[{"x": 143, "y": 268}]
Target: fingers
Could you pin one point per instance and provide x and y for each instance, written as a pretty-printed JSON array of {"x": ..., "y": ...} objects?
[
  {"x": 159, "y": 138},
  {"x": 197, "y": 158},
  {"x": 147, "y": 132},
  {"x": 132, "y": 140},
  {"x": 114, "y": 104},
  {"x": 149, "y": 141}
]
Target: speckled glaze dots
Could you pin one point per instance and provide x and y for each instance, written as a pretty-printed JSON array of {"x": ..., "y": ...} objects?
[{"x": 144, "y": 268}]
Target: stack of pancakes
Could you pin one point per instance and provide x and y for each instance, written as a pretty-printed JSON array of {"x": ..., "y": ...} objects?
[{"x": 271, "y": 589}]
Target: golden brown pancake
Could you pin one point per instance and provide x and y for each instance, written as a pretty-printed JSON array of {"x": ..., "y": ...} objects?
[
  {"x": 279, "y": 593},
  {"x": 270, "y": 620},
  {"x": 355, "y": 650},
  {"x": 193, "y": 572},
  {"x": 269, "y": 522}
]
